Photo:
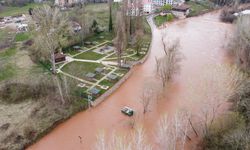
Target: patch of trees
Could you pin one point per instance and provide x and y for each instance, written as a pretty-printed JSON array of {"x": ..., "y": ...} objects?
[
  {"x": 16, "y": 92},
  {"x": 169, "y": 64},
  {"x": 229, "y": 2},
  {"x": 17, "y": 2},
  {"x": 51, "y": 29},
  {"x": 232, "y": 130},
  {"x": 240, "y": 43},
  {"x": 129, "y": 28}
]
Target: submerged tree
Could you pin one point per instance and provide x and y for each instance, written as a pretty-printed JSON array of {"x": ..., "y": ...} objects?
[
  {"x": 216, "y": 85},
  {"x": 168, "y": 65}
]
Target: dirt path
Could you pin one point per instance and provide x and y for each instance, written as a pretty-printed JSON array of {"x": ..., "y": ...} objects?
[{"x": 201, "y": 40}]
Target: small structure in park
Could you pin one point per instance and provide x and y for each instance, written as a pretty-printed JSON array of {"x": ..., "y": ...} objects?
[
  {"x": 81, "y": 85},
  {"x": 90, "y": 75},
  {"x": 181, "y": 11},
  {"x": 94, "y": 91},
  {"x": 112, "y": 77},
  {"x": 76, "y": 47},
  {"x": 59, "y": 57},
  {"x": 99, "y": 70}
]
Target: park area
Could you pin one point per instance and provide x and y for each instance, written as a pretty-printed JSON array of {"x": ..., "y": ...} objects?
[
  {"x": 94, "y": 66},
  {"x": 88, "y": 69}
]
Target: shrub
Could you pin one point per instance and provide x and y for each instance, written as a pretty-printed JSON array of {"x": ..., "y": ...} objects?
[
  {"x": 22, "y": 37},
  {"x": 29, "y": 132},
  {"x": 227, "y": 15},
  {"x": 14, "y": 92},
  {"x": 227, "y": 133}
]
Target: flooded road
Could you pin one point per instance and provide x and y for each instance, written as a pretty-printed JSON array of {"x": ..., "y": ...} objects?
[{"x": 201, "y": 40}]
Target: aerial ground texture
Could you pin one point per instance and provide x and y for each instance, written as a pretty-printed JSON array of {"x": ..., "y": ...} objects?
[{"x": 200, "y": 41}]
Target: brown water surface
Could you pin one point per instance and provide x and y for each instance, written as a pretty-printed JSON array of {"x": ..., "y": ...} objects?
[{"x": 201, "y": 39}]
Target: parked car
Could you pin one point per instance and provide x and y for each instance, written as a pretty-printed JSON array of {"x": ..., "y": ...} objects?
[{"x": 127, "y": 111}]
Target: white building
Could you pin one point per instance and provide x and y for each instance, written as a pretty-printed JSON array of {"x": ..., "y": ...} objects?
[
  {"x": 148, "y": 8},
  {"x": 162, "y": 2},
  {"x": 170, "y": 2}
]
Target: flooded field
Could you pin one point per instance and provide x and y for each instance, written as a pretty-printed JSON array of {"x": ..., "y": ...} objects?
[{"x": 201, "y": 43}]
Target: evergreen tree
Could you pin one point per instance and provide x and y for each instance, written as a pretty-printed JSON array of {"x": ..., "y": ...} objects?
[{"x": 110, "y": 18}]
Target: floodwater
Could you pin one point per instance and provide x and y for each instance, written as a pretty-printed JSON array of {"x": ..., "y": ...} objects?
[{"x": 201, "y": 42}]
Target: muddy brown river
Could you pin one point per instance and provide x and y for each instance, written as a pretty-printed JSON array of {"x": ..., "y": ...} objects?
[{"x": 201, "y": 39}]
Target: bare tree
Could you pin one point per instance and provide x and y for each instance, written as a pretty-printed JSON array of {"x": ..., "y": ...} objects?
[
  {"x": 171, "y": 133},
  {"x": 101, "y": 142},
  {"x": 148, "y": 95},
  {"x": 139, "y": 140},
  {"x": 240, "y": 44},
  {"x": 168, "y": 65},
  {"x": 49, "y": 26},
  {"x": 216, "y": 84},
  {"x": 117, "y": 142},
  {"x": 120, "y": 40},
  {"x": 120, "y": 142}
]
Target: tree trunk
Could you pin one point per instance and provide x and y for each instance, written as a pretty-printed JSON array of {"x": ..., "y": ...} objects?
[
  {"x": 53, "y": 63},
  {"x": 60, "y": 89}
]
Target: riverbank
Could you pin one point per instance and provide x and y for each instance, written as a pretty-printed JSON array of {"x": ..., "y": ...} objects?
[{"x": 203, "y": 48}]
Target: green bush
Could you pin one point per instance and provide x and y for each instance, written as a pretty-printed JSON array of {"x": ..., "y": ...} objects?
[
  {"x": 166, "y": 7},
  {"x": 227, "y": 133},
  {"x": 24, "y": 36},
  {"x": 159, "y": 20},
  {"x": 13, "y": 92}
]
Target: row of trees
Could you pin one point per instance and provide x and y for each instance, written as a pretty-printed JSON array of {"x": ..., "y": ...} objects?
[
  {"x": 229, "y": 2},
  {"x": 168, "y": 132},
  {"x": 129, "y": 27}
]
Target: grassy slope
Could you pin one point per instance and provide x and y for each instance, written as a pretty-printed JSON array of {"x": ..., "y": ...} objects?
[
  {"x": 22, "y": 36},
  {"x": 199, "y": 8},
  {"x": 7, "y": 69},
  {"x": 13, "y": 11}
]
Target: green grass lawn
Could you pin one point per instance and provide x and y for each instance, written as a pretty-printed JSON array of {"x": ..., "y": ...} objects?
[
  {"x": 80, "y": 69},
  {"x": 96, "y": 37},
  {"x": 90, "y": 55},
  {"x": 198, "y": 8},
  {"x": 14, "y": 11},
  {"x": 22, "y": 37},
  {"x": 106, "y": 83},
  {"x": 6, "y": 37},
  {"x": 7, "y": 71},
  {"x": 159, "y": 20},
  {"x": 8, "y": 52},
  {"x": 124, "y": 71}
]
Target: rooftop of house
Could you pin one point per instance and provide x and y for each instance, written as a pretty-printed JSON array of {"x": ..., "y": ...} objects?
[
  {"x": 59, "y": 55},
  {"x": 94, "y": 91}
]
